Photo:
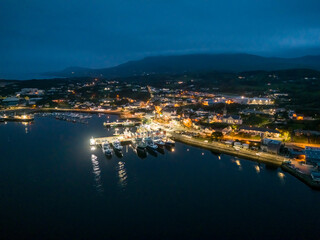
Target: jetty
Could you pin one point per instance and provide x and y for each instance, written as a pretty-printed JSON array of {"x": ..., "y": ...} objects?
[
  {"x": 306, "y": 178},
  {"x": 101, "y": 140},
  {"x": 122, "y": 124}
]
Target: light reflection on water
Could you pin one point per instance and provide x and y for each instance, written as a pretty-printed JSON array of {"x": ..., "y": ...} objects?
[
  {"x": 97, "y": 172},
  {"x": 238, "y": 163},
  {"x": 196, "y": 182},
  {"x": 122, "y": 173},
  {"x": 282, "y": 177}
]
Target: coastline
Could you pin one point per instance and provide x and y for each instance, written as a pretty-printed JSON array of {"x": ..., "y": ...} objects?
[
  {"x": 302, "y": 177},
  {"x": 266, "y": 158}
]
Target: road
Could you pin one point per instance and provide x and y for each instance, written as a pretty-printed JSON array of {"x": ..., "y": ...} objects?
[{"x": 242, "y": 153}]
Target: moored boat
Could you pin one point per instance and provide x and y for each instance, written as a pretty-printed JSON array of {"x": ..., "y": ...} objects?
[
  {"x": 106, "y": 149},
  {"x": 159, "y": 142},
  {"x": 150, "y": 144},
  {"x": 139, "y": 144},
  {"x": 169, "y": 142},
  {"x": 117, "y": 145}
]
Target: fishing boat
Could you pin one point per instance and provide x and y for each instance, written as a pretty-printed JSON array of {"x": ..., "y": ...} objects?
[
  {"x": 159, "y": 142},
  {"x": 150, "y": 144},
  {"x": 106, "y": 149},
  {"x": 169, "y": 142},
  {"x": 141, "y": 145},
  {"x": 138, "y": 144},
  {"x": 117, "y": 145}
]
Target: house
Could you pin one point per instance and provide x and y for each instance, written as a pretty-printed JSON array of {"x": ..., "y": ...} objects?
[
  {"x": 271, "y": 146},
  {"x": 31, "y": 91},
  {"x": 208, "y": 102},
  {"x": 312, "y": 154},
  {"x": 260, "y": 101},
  {"x": 232, "y": 119},
  {"x": 11, "y": 101},
  {"x": 300, "y": 132},
  {"x": 263, "y": 132}
]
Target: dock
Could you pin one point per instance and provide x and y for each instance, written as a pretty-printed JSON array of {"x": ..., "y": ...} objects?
[
  {"x": 101, "y": 140},
  {"x": 122, "y": 124},
  {"x": 307, "y": 179}
]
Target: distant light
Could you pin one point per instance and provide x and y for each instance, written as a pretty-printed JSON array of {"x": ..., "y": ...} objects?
[
  {"x": 92, "y": 141},
  {"x": 281, "y": 175}
]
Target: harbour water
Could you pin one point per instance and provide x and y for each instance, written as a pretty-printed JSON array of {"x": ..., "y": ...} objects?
[{"x": 54, "y": 186}]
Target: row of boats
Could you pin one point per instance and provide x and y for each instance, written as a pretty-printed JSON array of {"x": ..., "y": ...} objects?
[
  {"x": 65, "y": 114},
  {"x": 127, "y": 123},
  {"x": 69, "y": 117},
  {"x": 139, "y": 144}
]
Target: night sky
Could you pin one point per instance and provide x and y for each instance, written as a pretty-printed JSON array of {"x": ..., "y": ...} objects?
[{"x": 49, "y": 35}]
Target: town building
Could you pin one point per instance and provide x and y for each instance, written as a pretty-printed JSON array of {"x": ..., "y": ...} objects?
[
  {"x": 263, "y": 132},
  {"x": 312, "y": 154},
  {"x": 232, "y": 119}
]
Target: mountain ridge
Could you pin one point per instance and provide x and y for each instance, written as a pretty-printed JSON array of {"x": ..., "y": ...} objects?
[{"x": 177, "y": 64}]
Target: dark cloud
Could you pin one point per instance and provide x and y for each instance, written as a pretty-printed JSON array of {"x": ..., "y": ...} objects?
[{"x": 39, "y": 35}]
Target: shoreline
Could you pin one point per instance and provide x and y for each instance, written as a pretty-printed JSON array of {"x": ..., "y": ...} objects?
[
  {"x": 266, "y": 158},
  {"x": 302, "y": 177}
]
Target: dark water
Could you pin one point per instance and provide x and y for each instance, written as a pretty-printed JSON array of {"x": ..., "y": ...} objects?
[{"x": 52, "y": 188}]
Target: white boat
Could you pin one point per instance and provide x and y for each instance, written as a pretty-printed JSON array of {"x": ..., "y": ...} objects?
[
  {"x": 106, "y": 149},
  {"x": 117, "y": 145},
  {"x": 169, "y": 142},
  {"x": 159, "y": 142},
  {"x": 150, "y": 144},
  {"x": 139, "y": 144}
]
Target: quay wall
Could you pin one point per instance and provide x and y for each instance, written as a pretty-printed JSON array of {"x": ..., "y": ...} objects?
[
  {"x": 243, "y": 153},
  {"x": 307, "y": 179}
]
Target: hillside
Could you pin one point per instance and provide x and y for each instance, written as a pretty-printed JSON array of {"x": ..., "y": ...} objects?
[{"x": 195, "y": 63}]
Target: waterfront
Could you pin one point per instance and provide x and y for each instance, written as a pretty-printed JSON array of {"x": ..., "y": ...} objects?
[{"x": 54, "y": 185}]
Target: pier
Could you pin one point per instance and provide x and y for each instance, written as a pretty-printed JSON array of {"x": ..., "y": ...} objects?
[
  {"x": 122, "y": 124},
  {"x": 99, "y": 141},
  {"x": 307, "y": 179}
]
